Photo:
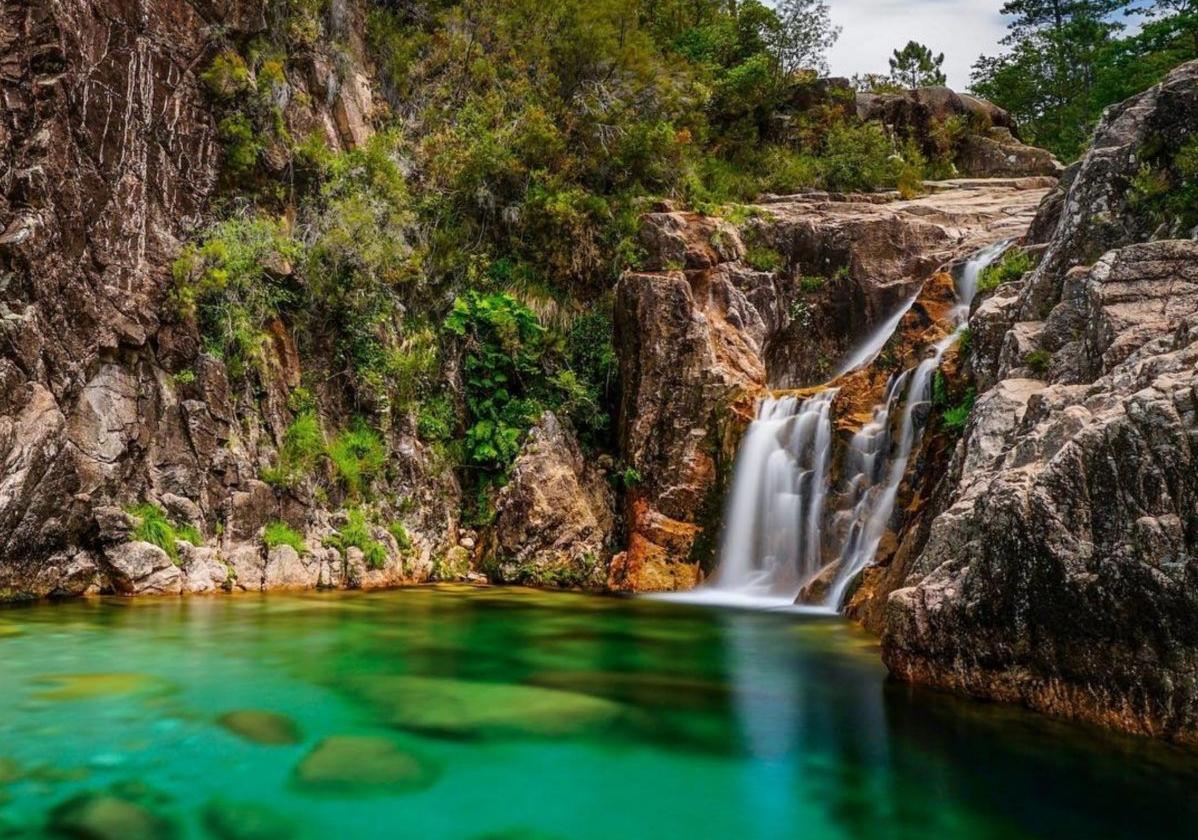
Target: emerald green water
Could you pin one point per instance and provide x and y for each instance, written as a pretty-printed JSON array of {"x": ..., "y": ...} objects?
[{"x": 461, "y": 713}]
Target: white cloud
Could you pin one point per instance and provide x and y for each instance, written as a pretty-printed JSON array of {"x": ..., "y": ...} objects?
[{"x": 872, "y": 29}]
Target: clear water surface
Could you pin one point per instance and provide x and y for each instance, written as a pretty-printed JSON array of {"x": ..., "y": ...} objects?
[{"x": 451, "y": 712}]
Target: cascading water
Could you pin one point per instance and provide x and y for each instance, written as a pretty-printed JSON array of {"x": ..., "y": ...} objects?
[{"x": 774, "y": 534}]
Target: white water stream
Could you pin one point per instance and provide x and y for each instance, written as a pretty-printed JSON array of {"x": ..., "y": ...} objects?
[{"x": 778, "y": 529}]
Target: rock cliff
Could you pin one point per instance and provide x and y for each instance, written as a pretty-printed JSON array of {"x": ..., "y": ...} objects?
[{"x": 1058, "y": 569}]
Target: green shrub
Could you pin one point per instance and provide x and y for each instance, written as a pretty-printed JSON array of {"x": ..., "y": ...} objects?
[
  {"x": 505, "y": 380},
  {"x": 227, "y": 76},
  {"x": 402, "y": 538},
  {"x": 763, "y": 258},
  {"x": 280, "y": 533},
  {"x": 436, "y": 419},
  {"x": 152, "y": 525},
  {"x": 812, "y": 283},
  {"x": 356, "y": 534},
  {"x": 1038, "y": 361},
  {"x": 957, "y": 417},
  {"x": 1014, "y": 264},
  {"x": 302, "y": 447},
  {"x": 859, "y": 157},
  {"x": 358, "y": 454},
  {"x": 229, "y": 283}
]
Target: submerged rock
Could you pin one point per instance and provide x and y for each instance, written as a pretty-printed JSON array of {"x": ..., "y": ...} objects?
[
  {"x": 239, "y": 820},
  {"x": 467, "y": 709},
  {"x": 261, "y": 727},
  {"x": 92, "y": 816},
  {"x": 92, "y": 686},
  {"x": 363, "y": 765}
]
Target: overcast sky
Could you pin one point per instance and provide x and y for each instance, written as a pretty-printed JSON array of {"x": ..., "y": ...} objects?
[{"x": 872, "y": 29}]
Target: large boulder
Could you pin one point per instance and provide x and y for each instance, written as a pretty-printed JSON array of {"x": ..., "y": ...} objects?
[
  {"x": 555, "y": 516},
  {"x": 988, "y": 145}
]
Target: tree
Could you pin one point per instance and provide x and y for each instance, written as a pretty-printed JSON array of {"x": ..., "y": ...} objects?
[
  {"x": 1067, "y": 60},
  {"x": 915, "y": 66},
  {"x": 805, "y": 34}
]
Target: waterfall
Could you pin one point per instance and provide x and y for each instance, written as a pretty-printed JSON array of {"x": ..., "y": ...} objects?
[
  {"x": 773, "y": 533},
  {"x": 777, "y": 516},
  {"x": 875, "y": 341}
]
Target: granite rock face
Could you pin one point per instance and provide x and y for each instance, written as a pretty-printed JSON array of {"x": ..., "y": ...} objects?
[
  {"x": 109, "y": 159},
  {"x": 704, "y": 335},
  {"x": 1060, "y": 567},
  {"x": 556, "y": 516}
]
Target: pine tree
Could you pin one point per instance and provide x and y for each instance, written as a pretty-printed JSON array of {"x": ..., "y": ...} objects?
[{"x": 915, "y": 66}]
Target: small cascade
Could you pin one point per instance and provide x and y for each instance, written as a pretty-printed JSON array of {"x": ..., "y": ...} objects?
[
  {"x": 778, "y": 524},
  {"x": 773, "y": 534},
  {"x": 869, "y": 349}
]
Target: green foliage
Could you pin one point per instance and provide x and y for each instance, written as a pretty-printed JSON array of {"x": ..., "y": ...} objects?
[
  {"x": 152, "y": 525},
  {"x": 402, "y": 538},
  {"x": 505, "y": 381},
  {"x": 1038, "y": 361},
  {"x": 356, "y": 534},
  {"x": 812, "y": 283},
  {"x": 1165, "y": 189},
  {"x": 303, "y": 446},
  {"x": 1066, "y": 62},
  {"x": 242, "y": 143},
  {"x": 1015, "y": 263},
  {"x": 358, "y": 454},
  {"x": 915, "y": 66},
  {"x": 763, "y": 258},
  {"x": 227, "y": 76},
  {"x": 859, "y": 158},
  {"x": 280, "y": 533},
  {"x": 956, "y": 417},
  {"x": 234, "y": 281},
  {"x": 965, "y": 342}
]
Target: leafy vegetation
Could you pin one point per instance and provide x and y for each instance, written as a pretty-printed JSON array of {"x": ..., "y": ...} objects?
[
  {"x": 280, "y": 533},
  {"x": 356, "y": 534},
  {"x": 1014, "y": 264},
  {"x": 1067, "y": 61},
  {"x": 152, "y": 525},
  {"x": 915, "y": 66},
  {"x": 1038, "y": 361},
  {"x": 358, "y": 455}
]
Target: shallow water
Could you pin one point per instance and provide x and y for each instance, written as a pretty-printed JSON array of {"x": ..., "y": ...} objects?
[{"x": 362, "y": 715}]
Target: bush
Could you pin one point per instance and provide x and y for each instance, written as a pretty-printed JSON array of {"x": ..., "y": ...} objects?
[
  {"x": 152, "y": 525},
  {"x": 1038, "y": 361},
  {"x": 1014, "y": 264},
  {"x": 358, "y": 453},
  {"x": 280, "y": 533},
  {"x": 356, "y": 534},
  {"x": 956, "y": 418},
  {"x": 402, "y": 538},
  {"x": 302, "y": 447},
  {"x": 234, "y": 283},
  {"x": 859, "y": 157}
]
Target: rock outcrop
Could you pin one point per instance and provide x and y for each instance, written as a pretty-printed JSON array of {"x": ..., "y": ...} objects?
[
  {"x": 1057, "y": 567},
  {"x": 110, "y": 156},
  {"x": 555, "y": 518},
  {"x": 983, "y": 143},
  {"x": 702, "y": 334}
]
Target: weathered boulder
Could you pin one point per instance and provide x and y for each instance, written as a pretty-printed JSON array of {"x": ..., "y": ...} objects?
[
  {"x": 139, "y": 568},
  {"x": 988, "y": 146},
  {"x": 203, "y": 569},
  {"x": 555, "y": 516},
  {"x": 688, "y": 375}
]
